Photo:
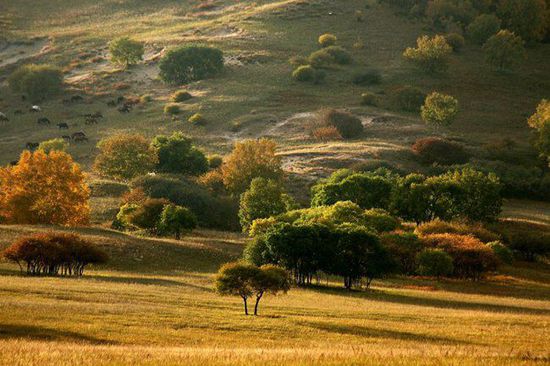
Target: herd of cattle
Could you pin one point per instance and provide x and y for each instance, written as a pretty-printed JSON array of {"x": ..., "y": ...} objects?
[{"x": 124, "y": 106}]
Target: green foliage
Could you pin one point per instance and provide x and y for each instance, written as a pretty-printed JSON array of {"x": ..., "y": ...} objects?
[
  {"x": 176, "y": 220},
  {"x": 181, "y": 96},
  {"x": 407, "y": 98},
  {"x": 328, "y": 56},
  {"x": 197, "y": 119},
  {"x": 327, "y": 39},
  {"x": 38, "y": 82},
  {"x": 441, "y": 11},
  {"x": 263, "y": 199},
  {"x": 147, "y": 215},
  {"x": 215, "y": 161},
  {"x": 502, "y": 252},
  {"x": 432, "y": 150},
  {"x": 172, "y": 108},
  {"x": 504, "y": 50},
  {"x": 307, "y": 73},
  {"x": 403, "y": 248},
  {"x": 540, "y": 121},
  {"x": 528, "y": 240},
  {"x": 122, "y": 220},
  {"x": 176, "y": 154},
  {"x": 439, "y": 109},
  {"x": 189, "y": 63},
  {"x": 526, "y": 18},
  {"x": 369, "y": 99},
  {"x": 434, "y": 262},
  {"x": 431, "y": 54},
  {"x": 483, "y": 27},
  {"x": 455, "y": 227},
  {"x": 369, "y": 77},
  {"x": 348, "y": 125},
  {"x": 57, "y": 144},
  {"x": 456, "y": 41},
  {"x": 125, "y": 51}
]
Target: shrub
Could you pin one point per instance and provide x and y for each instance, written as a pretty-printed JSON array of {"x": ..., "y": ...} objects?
[
  {"x": 176, "y": 154},
  {"x": 57, "y": 144},
  {"x": 504, "y": 50},
  {"x": 407, "y": 98},
  {"x": 215, "y": 161},
  {"x": 442, "y": 11},
  {"x": 213, "y": 182},
  {"x": 502, "y": 252},
  {"x": 379, "y": 220},
  {"x": 308, "y": 73},
  {"x": 403, "y": 248},
  {"x": 197, "y": 119},
  {"x": 348, "y": 125},
  {"x": 146, "y": 98},
  {"x": 431, "y": 54},
  {"x": 263, "y": 199},
  {"x": 471, "y": 258},
  {"x": 432, "y": 150},
  {"x": 44, "y": 189},
  {"x": 369, "y": 99},
  {"x": 54, "y": 254},
  {"x": 326, "y": 133},
  {"x": 461, "y": 228},
  {"x": 433, "y": 262},
  {"x": 526, "y": 18},
  {"x": 190, "y": 63},
  {"x": 455, "y": 40},
  {"x": 125, "y": 156},
  {"x": 327, "y": 39},
  {"x": 328, "y": 56},
  {"x": 172, "y": 108},
  {"x": 38, "y": 82},
  {"x": 369, "y": 77},
  {"x": 527, "y": 240},
  {"x": 106, "y": 188},
  {"x": 483, "y": 27},
  {"x": 125, "y": 51},
  {"x": 439, "y": 109},
  {"x": 181, "y": 96},
  {"x": 176, "y": 220},
  {"x": 147, "y": 215}
]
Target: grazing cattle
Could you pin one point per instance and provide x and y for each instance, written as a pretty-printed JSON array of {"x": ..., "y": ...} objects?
[
  {"x": 35, "y": 109},
  {"x": 125, "y": 108},
  {"x": 66, "y": 137},
  {"x": 111, "y": 103},
  {"x": 63, "y": 126},
  {"x": 79, "y": 137},
  {"x": 43, "y": 121},
  {"x": 32, "y": 145},
  {"x": 4, "y": 118}
]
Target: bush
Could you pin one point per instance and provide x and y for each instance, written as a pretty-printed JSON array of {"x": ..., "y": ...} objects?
[
  {"x": 54, "y": 254},
  {"x": 190, "y": 63},
  {"x": 57, "y": 144},
  {"x": 407, "y": 98},
  {"x": 369, "y": 77},
  {"x": 106, "y": 188},
  {"x": 172, "y": 108},
  {"x": 215, "y": 161},
  {"x": 308, "y": 73},
  {"x": 483, "y": 27},
  {"x": 502, "y": 252},
  {"x": 433, "y": 262},
  {"x": 528, "y": 240},
  {"x": 176, "y": 154},
  {"x": 38, "y": 82},
  {"x": 181, "y": 96},
  {"x": 176, "y": 220},
  {"x": 432, "y": 150},
  {"x": 439, "y": 109},
  {"x": 379, "y": 220},
  {"x": 147, "y": 215},
  {"x": 461, "y": 228},
  {"x": 146, "y": 98},
  {"x": 328, "y": 56},
  {"x": 471, "y": 258},
  {"x": 125, "y": 51},
  {"x": 326, "y": 133},
  {"x": 327, "y": 39},
  {"x": 369, "y": 99},
  {"x": 403, "y": 248},
  {"x": 442, "y": 11},
  {"x": 526, "y": 18},
  {"x": 264, "y": 198},
  {"x": 348, "y": 125},
  {"x": 197, "y": 119},
  {"x": 504, "y": 50},
  {"x": 455, "y": 40},
  {"x": 431, "y": 54}
]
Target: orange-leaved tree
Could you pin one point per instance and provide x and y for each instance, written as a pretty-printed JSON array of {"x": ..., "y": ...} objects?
[{"x": 44, "y": 189}]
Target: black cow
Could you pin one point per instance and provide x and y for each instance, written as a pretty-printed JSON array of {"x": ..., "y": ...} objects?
[
  {"x": 43, "y": 121},
  {"x": 63, "y": 126}
]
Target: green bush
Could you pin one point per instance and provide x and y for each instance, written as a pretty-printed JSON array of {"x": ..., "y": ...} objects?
[
  {"x": 369, "y": 77},
  {"x": 379, "y": 220},
  {"x": 263, "y": 199},
  {"x": 107, "y": 188},
  {"x": 502, "y": 252},
  {"x": 181, "y": 96},
  {"x": 38, "y": 82},
  {"x": 528, "y": 240},
  {"x": 328, "y": 56},
  {"x": 439, "y": 109},
  {"x": 455, "y": 40},
  {"x": 197, "y": 119},
  {"x": 348, "y": 125},
  {"x": 147, "y": 215},
  {"x": 369, "y": 99},
  {"x": 172, "y": 108},
  {"x": 308, "y": 73},
  {"x": 432, "y": 150},
  {"x": 176, "y": 220},
  {"x": 57, "y": 144},
  {"x": 403, "y": 248},
  {"x": 125, "y": 51},
  {"x": 483, "y": 27},
  {"x": 177, "y": 155},
  {"x": 190, "y": 63},
  {"x": 526, "y": 18},
  {"x": 215, "y": 161},
  {"x": 431, "y": 54},
  {"x": 433, "y": 262},
  {"x": 407, "y": 98},
  {"x": 327, "y": 39},
  {"x": 504, "y": 50}
]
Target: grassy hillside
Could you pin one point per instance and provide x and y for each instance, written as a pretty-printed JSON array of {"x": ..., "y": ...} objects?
[{"x": 154, "y": 304}]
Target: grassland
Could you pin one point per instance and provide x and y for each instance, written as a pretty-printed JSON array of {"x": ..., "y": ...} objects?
[{"x": 154, "y": 304}]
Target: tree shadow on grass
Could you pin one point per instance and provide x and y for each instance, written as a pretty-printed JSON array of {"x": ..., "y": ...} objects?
[
  {"x": 429, "y": 302},
  {"x": 369, "y": 332},
  {"x": 14, "y": 331},
  {"x": 148, "y": 281}
]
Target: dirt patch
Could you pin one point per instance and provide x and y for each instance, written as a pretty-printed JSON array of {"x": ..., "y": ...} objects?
[{"x": 12, "y": 53}]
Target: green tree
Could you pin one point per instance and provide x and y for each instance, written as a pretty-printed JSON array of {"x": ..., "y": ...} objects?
[
  {"x": 176, "y": 220},
  {"x": 540, "y": 122},
  {"x": 190, "y": 63},
  {"x": 504, "y": 50},
  {"x": 147, "y": 215},
  {"x": 526, "y": 18},
  {"x": 237, "y": 279},
  {"x": 57, "y": 144},
  {"x": 270, "y": 279},
  {"x": 434, "y": 262},
  {"x": 264, "y": 198},
  {"x": 125, "y": 156},
  {"x": 125, "y": 51},
  {"x": 483, "y": 27},
  {"x": 176, "y": 154},
  {"x": 439, "y": 109},
  {"x": 38, "y": 82},
  {"x": 431, "y": 54}
]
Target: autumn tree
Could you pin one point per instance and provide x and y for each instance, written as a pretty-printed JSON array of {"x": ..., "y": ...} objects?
[
  {"x": 248, "y": 160},
  {"x": 125, "y": 156},
  {"x": 176, "y": 220},
  {"x": 439, "y": 109},
  {"x": 504, "y": 50},
  {"x": 44, "y": 189},
  {"x": 431, "y": 54},
  {"x": 540, "y": 122}
]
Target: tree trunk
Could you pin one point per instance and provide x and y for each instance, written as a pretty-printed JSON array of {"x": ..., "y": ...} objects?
[
  {"x": 178, "y": 235},
  {"x": 258, "y": 298},
  {"x": 245, "y": 306}
]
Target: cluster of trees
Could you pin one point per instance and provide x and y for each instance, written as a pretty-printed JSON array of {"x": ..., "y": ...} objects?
[
  {"x": 54, "y": 254},
  {"x": 540, "y": 123}
]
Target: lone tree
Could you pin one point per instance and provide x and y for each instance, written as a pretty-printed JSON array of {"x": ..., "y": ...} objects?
[
  {"x": 237, "y": 279},
  {"x": 504, "y": 50},
  {"x": 189, "y": 63},
  {"x": 431, "y": 54},
  {"x": 125, "y": 51},
  {"x": 439, "y": 109},
  {"x": 264, "y": 198},
  {"x": 44, "y": 189},
  {"x": 270, "y": 279},
  {"x": 125, "y": 157},
  {"x": 177, "y": 220}
]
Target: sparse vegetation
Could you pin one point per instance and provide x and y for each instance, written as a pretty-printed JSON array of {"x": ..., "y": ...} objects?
[{"x": 38, "y": 82}]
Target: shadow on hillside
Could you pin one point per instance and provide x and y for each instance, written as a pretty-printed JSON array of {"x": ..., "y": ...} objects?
[
  {"x": 368, "y": 332},
  {"x": 429, "y": 302},
  {"x": 9, "y": 331},
  {"x": 148, "y": 281}
]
